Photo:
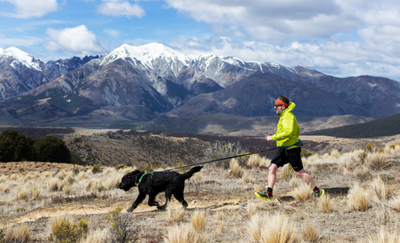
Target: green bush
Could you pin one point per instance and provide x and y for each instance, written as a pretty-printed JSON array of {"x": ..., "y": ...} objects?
[
  {"x": 120, "y": 166},
  {"x": 70, "y": 233},
  {"x": 15, "y": 147},
  {"x": 97, "y": 169},
  {"x": 120, "y": 227},
  {"x": 52, "y": 149}
]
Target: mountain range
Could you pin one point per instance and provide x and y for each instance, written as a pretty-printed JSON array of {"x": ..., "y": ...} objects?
[{"x": 134, "y": 84}]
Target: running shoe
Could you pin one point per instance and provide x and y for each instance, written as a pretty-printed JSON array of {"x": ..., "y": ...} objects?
[{"x": 263, "y": 195}]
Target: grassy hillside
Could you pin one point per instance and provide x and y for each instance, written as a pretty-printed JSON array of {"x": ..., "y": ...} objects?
[
  {"x": 380, "y": 127},
  {"x": 247, "y": 126}
]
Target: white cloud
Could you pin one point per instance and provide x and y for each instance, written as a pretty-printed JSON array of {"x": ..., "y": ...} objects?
[
  {"x": 31, "y": 8},
  {"x": 120, "y": 7},
  {"x": 112, "y": 32},
  {"x": 76, "y": 40},
  {"x": 23, "y": 41}
]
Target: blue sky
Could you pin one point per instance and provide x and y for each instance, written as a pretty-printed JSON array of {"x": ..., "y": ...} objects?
[{"x": 338, "y": 37}]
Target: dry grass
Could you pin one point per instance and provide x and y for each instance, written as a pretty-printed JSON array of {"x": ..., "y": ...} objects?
[
  {"x": 20, "y": 233},
  {"x": 377, "y": 161},
  {"x": 302, "y": 193},
  {"x": 235, "y": 168},
  {"x": 358, "y": 198},
  {"x": 395, "y": 203},
  {"x": 182, "y": 234},
  {"x": 362, "y": 174},
  {"x": 254, "y": 160},
  {"x": 326, "y": 204},
  {"x": 384, "y": 237},
  {"x": 278, "y": 228},
  {"x": 55, "y": 222},
  {"x": 199, "y": 219},
  {"x": 175, "y": 213},
  {"x": 309, "y": 233},
  {"x": 380, "y": 189},
  {"x": 286, "y": 172}
]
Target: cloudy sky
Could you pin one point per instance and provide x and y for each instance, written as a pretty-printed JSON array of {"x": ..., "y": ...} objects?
[{"x": 337, "y": 37}]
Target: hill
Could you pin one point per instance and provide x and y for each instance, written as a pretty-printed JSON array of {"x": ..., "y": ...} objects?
[{"x": 387, "y": 126}]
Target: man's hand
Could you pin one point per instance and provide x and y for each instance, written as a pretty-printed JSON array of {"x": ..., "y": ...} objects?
[{"x": 268, "y": 138}]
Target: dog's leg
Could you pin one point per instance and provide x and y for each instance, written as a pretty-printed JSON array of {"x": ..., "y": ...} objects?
[
  {"x": 138, "y": 200},
  {"x": 168, "y": 194},
  {"x": 179, "y": 197},
  {"x": 152, "y": 201}
]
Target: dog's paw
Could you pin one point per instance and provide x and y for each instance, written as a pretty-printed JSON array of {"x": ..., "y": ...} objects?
[
  {"x": 130, "y": 209},
  {"x": 161, "y": 208}
]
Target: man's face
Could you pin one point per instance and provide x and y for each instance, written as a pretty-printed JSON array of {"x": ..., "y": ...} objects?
[{"x": 279, "y": 109}]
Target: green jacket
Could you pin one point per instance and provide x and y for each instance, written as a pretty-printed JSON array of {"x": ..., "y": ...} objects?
[{"x": 288, "y": 131}]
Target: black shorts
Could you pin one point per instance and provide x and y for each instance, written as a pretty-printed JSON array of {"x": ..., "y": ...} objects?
[{"x": 292, "y": 156}]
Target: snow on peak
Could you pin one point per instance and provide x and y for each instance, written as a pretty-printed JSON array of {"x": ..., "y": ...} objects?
[
  {"x": 20, "y": 57},
  {"x": 146, "y": 54}
]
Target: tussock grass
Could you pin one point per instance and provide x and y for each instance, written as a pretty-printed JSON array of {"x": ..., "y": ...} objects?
[
  {"x": 395, "y": 203},
  {"x": 325, "y": 204},
  {"x": 384, "y": 237},
  {"x": 175, "y": 213},
  {"x": 377, "y": 161},
  {"x": 56, "y": 222},
  {"x": 22, "y": 193},
  {"x": 362, "y": 174},
  {"x": 309, "y": 233},
  {"x": 54, "y": 184},
  {"x": 278, "y": 228},
  {"x": 235, "y": 168},
  {"x": 246, "y": 178},
  {"x": 199, "y": 219},
  {"x": 182, "y": 234},
  {"x": 265, "y": 162},
  {"x": 302, "y": 192},
  {"x": 36, "y": 193},
  {"x": 96, "y": 236},
  {"x": 254, "y": 160},
  {"x": 380, "y": 189},
  {"x": 293, "y": 182},
  {"x": 286, "y": 172},
  {"x": 20, "y": 234},
  {"x": 358, "y": 198}
]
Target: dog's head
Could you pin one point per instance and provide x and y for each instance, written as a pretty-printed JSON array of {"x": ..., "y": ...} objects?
[{"x": 130, "y": 180}]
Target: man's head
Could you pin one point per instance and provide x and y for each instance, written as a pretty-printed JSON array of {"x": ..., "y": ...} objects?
[{"x": 281, "y": 103}]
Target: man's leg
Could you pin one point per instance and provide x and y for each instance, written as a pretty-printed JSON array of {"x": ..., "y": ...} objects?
[
  {"x": 306, "y": 178},
  {"x": 272, "y": 175}
]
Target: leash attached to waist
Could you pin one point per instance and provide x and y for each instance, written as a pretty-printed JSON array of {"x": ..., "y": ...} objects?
[{"x": 298, "y": 143}]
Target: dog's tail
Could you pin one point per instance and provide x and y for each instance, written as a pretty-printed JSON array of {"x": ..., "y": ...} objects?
[{"x": 193, "y": 170}]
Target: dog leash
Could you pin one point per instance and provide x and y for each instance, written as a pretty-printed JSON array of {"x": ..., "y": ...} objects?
[{"x": 299, "y": 143}]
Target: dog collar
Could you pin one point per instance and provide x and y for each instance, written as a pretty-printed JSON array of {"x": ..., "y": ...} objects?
[{"x": 140, "y": 179}]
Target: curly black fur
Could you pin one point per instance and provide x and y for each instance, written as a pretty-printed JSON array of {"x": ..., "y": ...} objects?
[{"x": 151, "y": 184}]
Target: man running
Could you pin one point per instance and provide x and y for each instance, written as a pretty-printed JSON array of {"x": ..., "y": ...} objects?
[{"x": 287, "y": 141}]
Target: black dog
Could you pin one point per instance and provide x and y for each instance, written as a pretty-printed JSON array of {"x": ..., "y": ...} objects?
[{"x": 153, "y": 183}]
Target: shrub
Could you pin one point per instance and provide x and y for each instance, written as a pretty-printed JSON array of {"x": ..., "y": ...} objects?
[
  {"x": 119, "y": 224},
  {"x": 15, "y": 147},
  {"x": 97, "y": 169},
  {"x": 52, "y": 149},
  {"x": 120, "y": 166},
  {"x": 220, "y": 150},
  {"x": 69, "y": 233}
]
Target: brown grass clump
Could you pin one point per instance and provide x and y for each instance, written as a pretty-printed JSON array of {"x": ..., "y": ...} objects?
[
  {"x": 286, "y": 172},
  {"x": 293, "y": 182},
  {"x": 96, "y": 236},
  {"x": 362, "y": 174},
  {"x": 235, "y": 168},
  {"x": 395, "y": 203},
  {"x": 247, "y": 178},
  {"x": 182, "y": 234},
  {"x": 55, "y": 222},
  {"x": 325, "y": 204},
  {"x": 309, "y": 232},
  {"x": 175, "y": 214},
  {"x": 335, "y": 153},
  {"x": 302, "y": 193},
  {"x": 18, "y": 234},
  {"x": 358, "y": 198},
  {"x": 380, "y": 189},
  {"x": 254, "y": 160},
  {"x": 377, "y": 161},
  {"x": 54, "y": 184},
  {"x": 35, "y": 193},
  {"x": 384, "y": 237},
  {"x": 199, "y": 219},
  {"x": 22, "y": 194},
  {"x": 278, "y": 228}
]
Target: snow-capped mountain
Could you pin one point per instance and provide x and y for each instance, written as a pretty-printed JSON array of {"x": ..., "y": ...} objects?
[
  {"x": 21, "y": 72},
  {"x": 138, "y": 83}
]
